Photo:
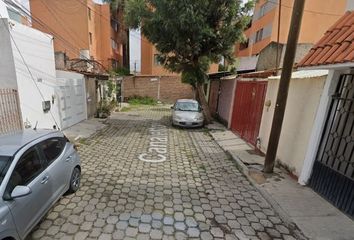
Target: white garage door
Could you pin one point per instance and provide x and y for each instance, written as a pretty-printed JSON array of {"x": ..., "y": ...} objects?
[{"x": 72, "y": 101}]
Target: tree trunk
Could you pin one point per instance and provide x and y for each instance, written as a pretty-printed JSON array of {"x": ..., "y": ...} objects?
[{"x": 203, "y": 102}]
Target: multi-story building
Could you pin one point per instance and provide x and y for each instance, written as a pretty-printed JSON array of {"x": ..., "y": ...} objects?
[
  {"x": 82, "y": 27},
  {"x": 266, "y": 36},
  {"x": 150, "y": 64}
]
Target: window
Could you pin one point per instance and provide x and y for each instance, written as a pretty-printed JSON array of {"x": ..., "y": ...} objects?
[
  {"x": 157, "y": 61},
  {"x": 90, "y": 37},
  {"x": 52, "y": 148},
  {"x": 187, "y": 106},
  {"x": 114, "y": 24},
  {"x": 259, "y": 35},
  {"x": 5, "y": 163},
  {"x": 262, "y": 10},
  {"x": 114, "y": 44},
  {"x": 89, "y": 13},
  {"x": 244, "y": 45},
  {"x": 27, "y": 168},
  {"x": 114, "y": 64}
]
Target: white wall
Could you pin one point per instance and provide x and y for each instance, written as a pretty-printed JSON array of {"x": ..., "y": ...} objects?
[
  {"x": 7, "y": 65},
  {"x": 3, "y": 10},
  {"x": 71, "y": 97},
  {"x": 36, "y": 81},
  {"x": 303, "y": 100}
]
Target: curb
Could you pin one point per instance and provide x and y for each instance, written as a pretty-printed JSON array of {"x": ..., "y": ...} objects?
[{"x": 277, "y": 208}]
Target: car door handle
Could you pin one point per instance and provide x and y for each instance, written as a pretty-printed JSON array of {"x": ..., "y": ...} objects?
[
  {"x": 45, "y": 180},
  {"x": 68, "y": 158}
]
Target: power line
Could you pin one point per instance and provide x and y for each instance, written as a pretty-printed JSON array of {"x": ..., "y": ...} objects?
[
  {"x": 51, "y": 31},
  {"x": 109, "y": 19},
  {"x": 310, "y": 11},
  {"x": 28, "y": 69},
  {"x": 58, "y": 20}
]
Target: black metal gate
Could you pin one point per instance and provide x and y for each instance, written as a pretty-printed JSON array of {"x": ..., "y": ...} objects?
[{"x": 333, "y": 172}]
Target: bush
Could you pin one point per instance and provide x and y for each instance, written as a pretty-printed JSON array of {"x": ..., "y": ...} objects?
[
  {"x": 121, "y": 71},
  {"x": 138, "y": 100},
  {"x": 104, "y": 109}
]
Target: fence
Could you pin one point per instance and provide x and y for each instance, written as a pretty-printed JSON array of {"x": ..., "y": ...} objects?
[
  {"x": 10, "y": 114},
  {"x": 166, "y": 88}
]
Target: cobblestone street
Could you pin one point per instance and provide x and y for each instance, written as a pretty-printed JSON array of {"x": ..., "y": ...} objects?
[{"x": 192, "y": 191}]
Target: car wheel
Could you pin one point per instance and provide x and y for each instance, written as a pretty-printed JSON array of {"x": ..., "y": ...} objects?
[{"x": 74, "y": 181}]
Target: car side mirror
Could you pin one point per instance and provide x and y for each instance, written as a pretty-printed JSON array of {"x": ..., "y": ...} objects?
[{"x": 20, "y": 191}]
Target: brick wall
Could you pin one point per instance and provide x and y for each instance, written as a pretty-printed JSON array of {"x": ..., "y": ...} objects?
[{"x": 171, "y": 88}]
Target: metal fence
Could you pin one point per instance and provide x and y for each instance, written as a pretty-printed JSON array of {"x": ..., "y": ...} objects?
[{"x": 10, "y": 113}]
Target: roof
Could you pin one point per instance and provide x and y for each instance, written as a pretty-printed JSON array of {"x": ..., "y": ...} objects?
[
  {"x": 335, "y": 47},
  {"x": 218, "y": 75},
  {"x": 11, "y": 143},
  {"x": 231, "y": 77},
  {"x": 305, "y": 74},
  {"x": 259, "y": 74}
]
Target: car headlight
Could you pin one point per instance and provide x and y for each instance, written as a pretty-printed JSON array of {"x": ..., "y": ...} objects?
[{"x": 200, "y": 118}]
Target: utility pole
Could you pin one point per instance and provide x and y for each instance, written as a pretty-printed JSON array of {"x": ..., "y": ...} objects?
[
  {"x": 278, "y": 40},
  {"x": 283, "y": 90}
]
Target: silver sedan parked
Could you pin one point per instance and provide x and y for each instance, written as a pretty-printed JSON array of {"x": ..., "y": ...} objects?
[
  {"x": 36, "y": 168},
  {"x": 187, "y": 113}
]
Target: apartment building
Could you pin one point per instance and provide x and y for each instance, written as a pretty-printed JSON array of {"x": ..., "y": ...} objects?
[
  {"x": 82, "y": 27},
  {"x": 150, "y": 64},
  {"x": 266, "y": 36}
]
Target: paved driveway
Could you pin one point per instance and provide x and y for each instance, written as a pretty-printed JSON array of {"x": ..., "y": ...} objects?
[{"x": 143, "y": 179}]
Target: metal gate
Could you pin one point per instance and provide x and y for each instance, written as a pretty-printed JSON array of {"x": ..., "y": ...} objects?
[
  {"x": 71, "y": 101},
  {"x": 333, "y": 171},
  {"x": 10, "y": 114},
  {"x": 248, "y": 108}
]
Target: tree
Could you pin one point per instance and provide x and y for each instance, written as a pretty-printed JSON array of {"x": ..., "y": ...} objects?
[
  {"x": 190, "y": 34},
  {"x": 115, "y": 4}
]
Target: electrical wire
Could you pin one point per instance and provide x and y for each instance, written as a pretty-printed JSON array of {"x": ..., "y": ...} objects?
[
  {"x": 59, "y": 22},
  {"x": 310, "y": 11},
  {"x": 109, "y": 19},
  {"x": 66, "y": 43},
  {"x": 73, "y": 49},
  {"x": 28, "y": 69}
]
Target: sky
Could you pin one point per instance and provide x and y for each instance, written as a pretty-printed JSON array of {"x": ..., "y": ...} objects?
[{"x": 25, "y": 3}]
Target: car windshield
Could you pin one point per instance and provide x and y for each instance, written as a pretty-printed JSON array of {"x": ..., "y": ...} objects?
[
  {"x": 5, "y": 163},
  {"x": 187, "y": 106}
]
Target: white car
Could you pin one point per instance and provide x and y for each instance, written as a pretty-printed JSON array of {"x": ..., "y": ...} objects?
[{"x": 187, "y": 113}]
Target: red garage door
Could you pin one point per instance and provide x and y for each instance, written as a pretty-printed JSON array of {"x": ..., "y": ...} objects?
[{"x": 247, "y": 110}]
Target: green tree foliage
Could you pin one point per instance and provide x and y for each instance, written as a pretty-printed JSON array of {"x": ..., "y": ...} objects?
[
  {"x": 115, "y": 4},
  {"x": 190, "y": 34}
]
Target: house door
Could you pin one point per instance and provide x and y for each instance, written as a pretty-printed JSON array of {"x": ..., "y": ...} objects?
[
  {"x": 333, "y": 171},
  {"x": 248, "y": 108}
]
